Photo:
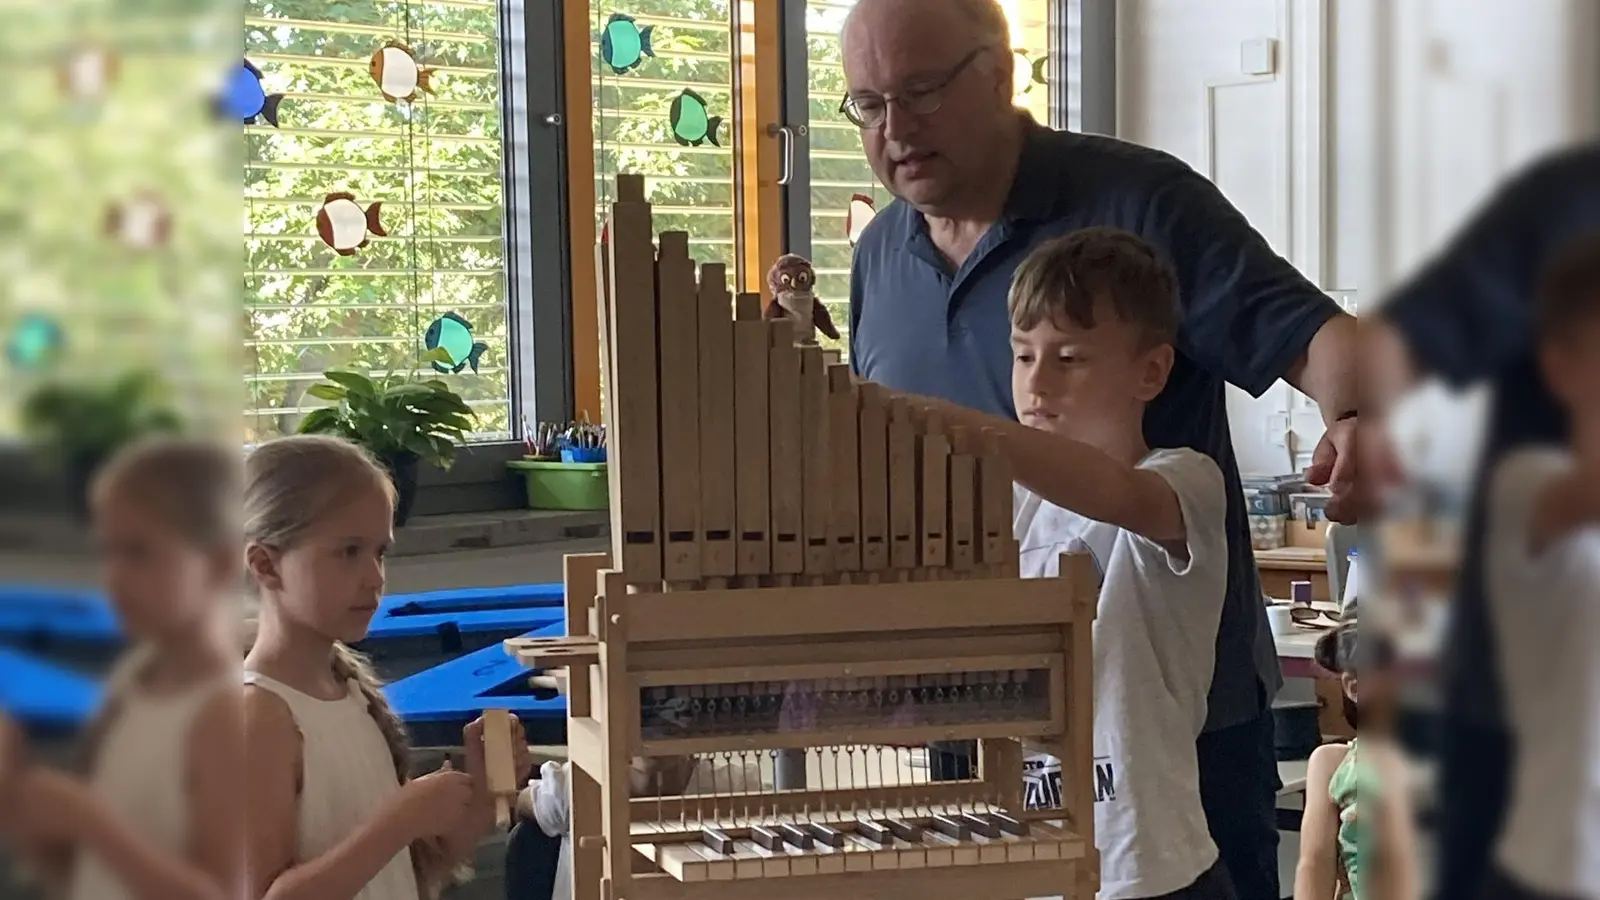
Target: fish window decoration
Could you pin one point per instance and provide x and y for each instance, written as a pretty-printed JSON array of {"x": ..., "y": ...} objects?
[
  {"x": 344, "y": 226},
  {"x": 691, "y": 121},
  {"x": 87, "y": 73},
  {"x": 624, "y": 45},
  {"x": 453, "y": 335},
  {"x": 1028, "y": 72},
  {"x": 400, "y": 78},
  {"x": 861, "y": 212},
  {"x": 244, "y": 98},
  {"x": 35, "y": 342}
]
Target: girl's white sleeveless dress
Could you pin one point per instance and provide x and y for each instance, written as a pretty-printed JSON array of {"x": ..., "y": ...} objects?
[
  {"x": 141, "y": 767},
  {"x": 349, "y": 774}
]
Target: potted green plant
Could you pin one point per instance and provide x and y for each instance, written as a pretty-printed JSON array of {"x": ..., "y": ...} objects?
[
  {"x": 402, "y": 421},
  {"x": 77, "y": 426}
]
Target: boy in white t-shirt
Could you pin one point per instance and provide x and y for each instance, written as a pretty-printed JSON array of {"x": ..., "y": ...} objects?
[
  {"x": 1542, "y": 580},
  {"x": 1094, "y": 315}
]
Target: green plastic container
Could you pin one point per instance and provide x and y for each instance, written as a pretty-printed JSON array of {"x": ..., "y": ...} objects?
[{"x": 559, "y": 485}]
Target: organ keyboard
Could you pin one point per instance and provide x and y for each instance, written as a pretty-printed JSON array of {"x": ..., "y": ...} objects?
[{"x": 806, "y": 565}]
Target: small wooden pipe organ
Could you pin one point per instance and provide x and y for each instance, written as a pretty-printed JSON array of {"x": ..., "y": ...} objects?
[{"x": 802, "y": 563}]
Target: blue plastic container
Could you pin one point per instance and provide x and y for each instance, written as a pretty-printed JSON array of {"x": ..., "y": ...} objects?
[{"x": 583, "y": 454}]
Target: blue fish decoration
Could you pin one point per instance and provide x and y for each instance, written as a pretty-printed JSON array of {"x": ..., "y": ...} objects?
[
  {"x": 244, "y": 98},
  {"x": 454, "y": 334},
  {"x": 623, "y": 44},
  {"x": 36, "y": 342},
  {"x": 692, "y": 123}
]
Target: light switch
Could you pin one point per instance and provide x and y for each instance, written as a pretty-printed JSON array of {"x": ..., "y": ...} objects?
[{"x": 1258, "y": 56}]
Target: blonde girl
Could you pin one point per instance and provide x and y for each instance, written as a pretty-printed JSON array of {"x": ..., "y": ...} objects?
[
  {"x": 158, "y": 817},
  {"x": 333, "y": 814}
]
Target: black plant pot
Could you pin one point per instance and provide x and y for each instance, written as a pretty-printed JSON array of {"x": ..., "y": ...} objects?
[
  {"x": 80, "y": 470},
  {"x": 403, "y": 472}
]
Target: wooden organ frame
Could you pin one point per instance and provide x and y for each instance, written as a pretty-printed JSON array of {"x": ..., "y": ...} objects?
[{"x": 773, "y": 521}]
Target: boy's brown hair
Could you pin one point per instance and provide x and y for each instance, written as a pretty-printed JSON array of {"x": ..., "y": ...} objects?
[
  {"x": 1569, "y": 287},
  {"x": 1064, "y": 278}
]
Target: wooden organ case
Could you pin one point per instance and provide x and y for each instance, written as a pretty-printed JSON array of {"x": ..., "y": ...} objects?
[{"x": 802, "y": 564}]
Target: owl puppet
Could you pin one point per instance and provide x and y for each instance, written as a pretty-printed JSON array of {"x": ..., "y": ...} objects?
[{"x": 791, "y": 279}]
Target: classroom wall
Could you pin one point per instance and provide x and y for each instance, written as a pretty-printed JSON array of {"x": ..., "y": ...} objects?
[{"x": 1378, "y": 127}]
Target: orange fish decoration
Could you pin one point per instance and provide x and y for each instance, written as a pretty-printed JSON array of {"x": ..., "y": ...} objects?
[
  {"x": 400, "y": 79},
  {"x": 141, "y": 222},
  {"x": 344, "y": 225}
]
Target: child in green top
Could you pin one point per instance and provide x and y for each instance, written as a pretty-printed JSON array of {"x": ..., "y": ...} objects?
[{"x": 1357, "y": 835}]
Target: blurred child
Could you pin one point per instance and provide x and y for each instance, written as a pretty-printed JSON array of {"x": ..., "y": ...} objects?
[
  {"x": 158, "y": 817},
  {"x": 1093, "y": 318},
  {"x": 539, "y": 853},
  {"x": 1357, "y": 834},
  {"x": 333, "y": 814},
  {"x": 1542, "y": 580}
]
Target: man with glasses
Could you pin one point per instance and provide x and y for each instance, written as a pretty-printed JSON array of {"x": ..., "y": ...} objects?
[{"x": 979, "y": 184}]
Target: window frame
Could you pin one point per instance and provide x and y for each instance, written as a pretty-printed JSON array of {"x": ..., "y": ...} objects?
[{"x": 540, "y": 286}]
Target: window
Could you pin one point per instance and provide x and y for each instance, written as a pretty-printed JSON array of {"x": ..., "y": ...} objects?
[
  {"x": 373, "y": 221},
  {"x": 676, "y": 59},
  {"x": 836, "y": 171},
  {"x": 99, "y": 143}
]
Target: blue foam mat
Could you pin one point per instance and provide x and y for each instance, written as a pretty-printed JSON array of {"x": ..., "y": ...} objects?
[
  {"x": 82, "y": 615},
  {"x": 37, "y": 693},
  {"x": 460, "y": 688},
  {"x": 512, "y": 610}
]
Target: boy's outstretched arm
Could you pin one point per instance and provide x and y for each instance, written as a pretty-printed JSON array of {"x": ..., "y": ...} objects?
[{"x": 1075, "y": 476}]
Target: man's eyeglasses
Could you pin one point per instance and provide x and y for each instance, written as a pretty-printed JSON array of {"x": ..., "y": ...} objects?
[{"x": 872, "y": 110}]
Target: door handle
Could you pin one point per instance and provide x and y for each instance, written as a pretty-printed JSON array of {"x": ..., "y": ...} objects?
[{"x": 785, "y": 136}]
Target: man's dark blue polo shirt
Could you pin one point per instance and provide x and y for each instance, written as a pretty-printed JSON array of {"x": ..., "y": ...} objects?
[
  {"x": 1468, "y": 317},
  {"x": 1248, "y": 316}
]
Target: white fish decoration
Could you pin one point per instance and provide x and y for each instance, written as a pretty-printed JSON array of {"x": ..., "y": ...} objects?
[
  {"x": 857, "y": 218},
  {"x": 344, "y": 225},
  {"x": 142, "y": 222},
  {"x": 87, "y": 73},
  {"x": 399, "y": 78}
]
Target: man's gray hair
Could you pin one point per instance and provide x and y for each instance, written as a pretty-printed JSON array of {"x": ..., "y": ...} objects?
[{"x": 987, "y": 18}]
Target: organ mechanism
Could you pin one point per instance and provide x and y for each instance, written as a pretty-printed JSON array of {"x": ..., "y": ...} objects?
[{"x": 745, "y": 619}]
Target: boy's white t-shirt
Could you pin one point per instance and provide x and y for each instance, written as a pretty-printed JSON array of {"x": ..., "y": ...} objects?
[
  {"x": 552, "y": 811},
  {"x": 1155, "y": 641},
  {"x": 1545, "y": 610}
]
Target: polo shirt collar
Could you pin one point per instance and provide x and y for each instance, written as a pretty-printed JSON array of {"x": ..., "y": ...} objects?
[{"x": 1035, "y": 191}]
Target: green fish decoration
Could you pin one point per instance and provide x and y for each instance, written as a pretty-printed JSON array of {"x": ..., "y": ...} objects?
[
  {"x": 36, "y": 342},
  {"x": 623, "y": 44},
  {"x": 692, "y": 123},
  {"x": 454, "y": 334}
]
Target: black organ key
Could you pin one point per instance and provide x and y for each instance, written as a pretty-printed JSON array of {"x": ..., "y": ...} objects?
[
  {"x": 1009, "y": 825},
  {"x": 766, "y": 837},
  {"x": 951, "y": 828},
  {"x": 904, "y": 830},
  {"x": 980, "y": 825},
  {"x": 828, "y": 836},
  {"x": 716, "y": 840},
  {"x": 796, "y": 836},
  {"x": 875, "y": 832}
]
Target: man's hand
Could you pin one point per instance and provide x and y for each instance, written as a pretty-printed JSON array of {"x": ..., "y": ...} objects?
[{"x": 1334, "y": 464}]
